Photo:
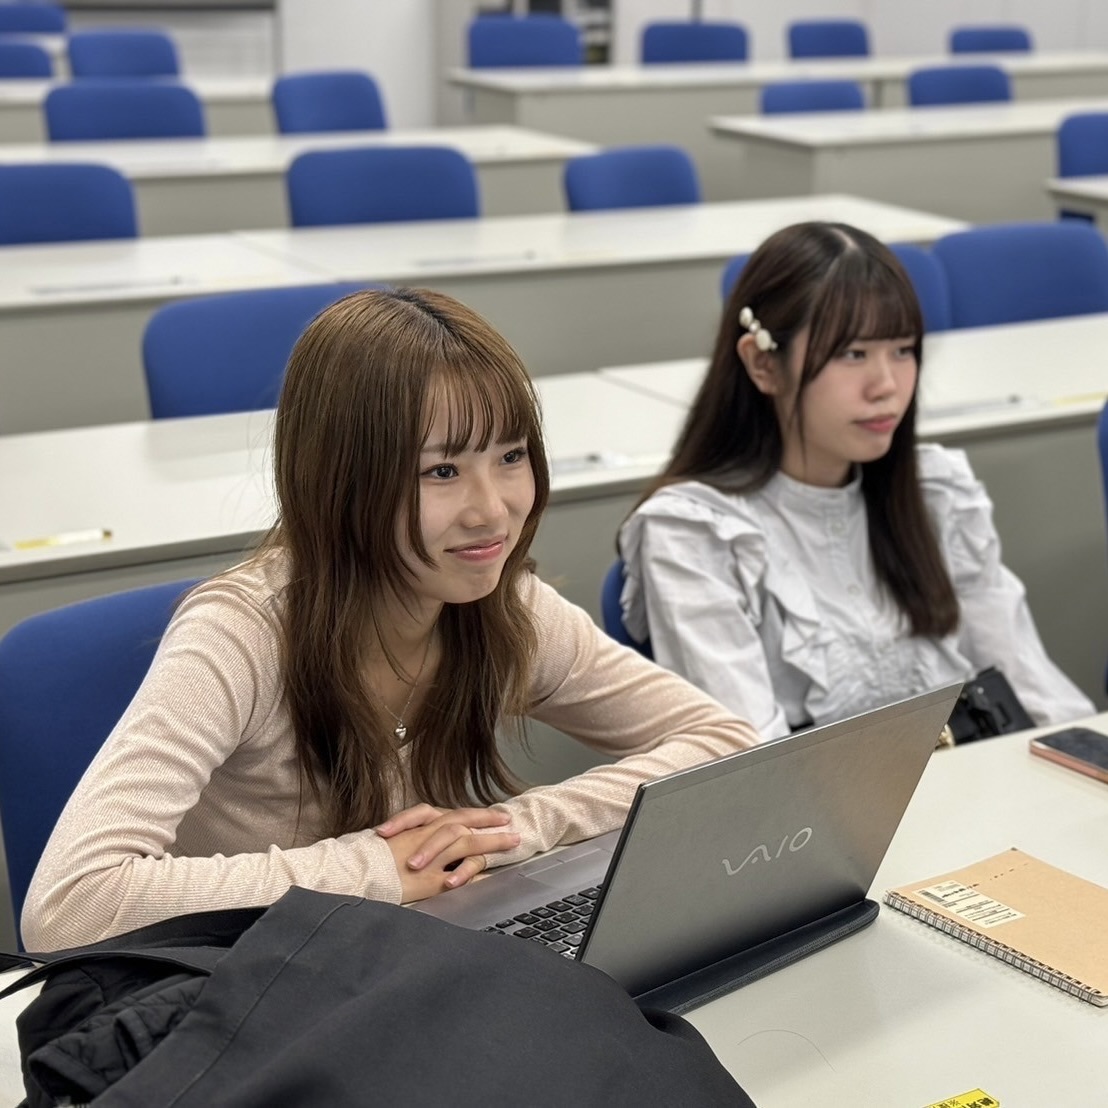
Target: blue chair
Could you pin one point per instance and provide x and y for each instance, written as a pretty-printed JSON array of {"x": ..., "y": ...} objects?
[
  {"x": 227, "y": 353},
  {"x": 731, "y": 273},
  {"x": 611, "y": 612},
  {"x": 828, "y": 38},
  {"x": 65, "y": 203},
  {"x": 24, "y": 59},
  {"x": 34, "y": 19},
  {"x": 1083, "y": 144},
  {"x": 528, "y": 41},
  {"x": 989, "y": 40},
  {"x": 1004, "y": 273},
  {"x": 66, "y": 677},
  {"x": 958, "y": 84},
  {"x": 123, "y": 53},
  {"x": 812, "y": 96},
  {"x": 90, "y": 110},
  {"x": 694, "y": 42},
  {"x": 929, "y": 280},
  {"x": 379, "y": 184},
  {"x": 340, "y": 100},
  {"x": 631, "y": 177}
]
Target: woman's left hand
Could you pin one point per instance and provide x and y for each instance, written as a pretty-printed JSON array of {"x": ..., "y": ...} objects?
[{"x": 441, "y": 824}]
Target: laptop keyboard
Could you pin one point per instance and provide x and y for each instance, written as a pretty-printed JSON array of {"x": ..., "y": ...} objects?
[{"x": 559, "y": 925}]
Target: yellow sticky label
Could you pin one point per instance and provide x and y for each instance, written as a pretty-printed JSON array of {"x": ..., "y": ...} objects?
[{"x": 975, "y": 1098}]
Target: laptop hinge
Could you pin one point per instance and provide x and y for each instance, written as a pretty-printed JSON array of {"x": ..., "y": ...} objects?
[{"x": 700, "y": 986}]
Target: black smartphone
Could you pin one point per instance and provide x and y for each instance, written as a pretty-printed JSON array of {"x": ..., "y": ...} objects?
[{"x": 1075, "y": 748}]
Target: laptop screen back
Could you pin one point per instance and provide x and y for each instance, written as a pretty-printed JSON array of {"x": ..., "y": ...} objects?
[{"x": 723, "y": 856}]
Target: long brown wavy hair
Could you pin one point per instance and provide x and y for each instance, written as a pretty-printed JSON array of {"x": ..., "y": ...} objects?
[
  {"x": 843, "y": 285},
  {"x": 352, "y": 418}
]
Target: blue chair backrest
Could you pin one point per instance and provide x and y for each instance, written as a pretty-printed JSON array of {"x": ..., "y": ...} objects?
[
  {"x": 24, "y": 59},
  {"x": 828, "y": 38},
  {"x": 109, "y": 109},
  {"x": 631, "y": 177},
  {"x": 527, "y": 41},
  {"x": 1004, "y": 273},
  {"x": 694, "y": 42},
  {"x": 611, "y": 612},
  {"x": 989, "y": 40},
  {"x": 35, "y": 19},
  {"x": 1083, "y": 144},
  {"x": 341, "y": 100},
  {"x": 730, "y": 276},
  {"x": 929, "y": 280},
  {"x": 958, "y": 84},
  {"x": 122, "y": 53},
  {"x": 66, "y": 677},
  {"x": 227, "y": 353},
  {"x": 64, "y": 203},
  {"x": 812, "y": 96},
  {"x": 381, "y": 184}
]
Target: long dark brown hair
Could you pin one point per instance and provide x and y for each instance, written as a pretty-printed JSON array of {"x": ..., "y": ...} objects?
[
  {"x": 843, "y": 285},
  {"x": 351, "y": 422}
]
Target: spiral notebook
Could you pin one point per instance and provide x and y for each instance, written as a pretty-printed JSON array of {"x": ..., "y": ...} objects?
[{"x": 1031, "y": 915}]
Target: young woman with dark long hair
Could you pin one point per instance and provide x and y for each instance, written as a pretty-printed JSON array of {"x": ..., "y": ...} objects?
[
  {"x": 801, "y": 557},
  {"x": 326, "y": 713}
]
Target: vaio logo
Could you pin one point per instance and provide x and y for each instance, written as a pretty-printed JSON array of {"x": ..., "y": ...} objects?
[{"x": 761, "y": 853}]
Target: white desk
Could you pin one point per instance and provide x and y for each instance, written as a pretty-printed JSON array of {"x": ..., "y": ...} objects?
[
  {"x": 616, "y": 105},
  {"x": 72, "y": 316},
  {"x": 232, "y": 106},
  {"x": 985, "y": 163},
  {"x": 1036, "y": 455},
  {"x": 1086, "y": 195},
  {"x": 185, "y": 497},
  {"x": 900, "y": 1014},
  {"x": 186, "y": 186},
  {"x": 585, "y": 289},
  {"x": 571, "y": 291}
]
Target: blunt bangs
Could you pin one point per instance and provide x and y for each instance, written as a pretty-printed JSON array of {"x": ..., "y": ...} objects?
[
  {"x": 862, "y": 298},
  {"x": 485, "y": 404}
]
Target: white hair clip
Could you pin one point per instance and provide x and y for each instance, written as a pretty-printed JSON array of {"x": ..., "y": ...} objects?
[{"x": 762, "y": 338}]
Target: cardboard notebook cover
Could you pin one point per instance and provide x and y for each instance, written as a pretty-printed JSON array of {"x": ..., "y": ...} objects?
[{"x": 1040, "y": 919}]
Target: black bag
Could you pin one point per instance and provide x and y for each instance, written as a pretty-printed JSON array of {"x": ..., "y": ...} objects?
[
  {"x": 331, "y": 1000},
  {"x": 987, "y": 706}
]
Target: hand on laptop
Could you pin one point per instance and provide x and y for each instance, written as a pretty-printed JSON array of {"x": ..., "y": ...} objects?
[{"x": 437, "y": 849}]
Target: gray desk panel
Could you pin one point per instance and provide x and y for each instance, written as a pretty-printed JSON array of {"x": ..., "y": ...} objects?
[
  {"x": 634, "y": 116},
  {"x": 979, "y": 180},
  {"x": 21, "y": 118},
  {"x": 257, "y": 201}
]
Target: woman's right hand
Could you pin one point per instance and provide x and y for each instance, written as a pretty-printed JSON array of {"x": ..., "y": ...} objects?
[{"x": 437, "y": 849}]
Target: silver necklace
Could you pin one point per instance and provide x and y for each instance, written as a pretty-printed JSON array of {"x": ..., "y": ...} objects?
[{"x": 401, "y": 729}]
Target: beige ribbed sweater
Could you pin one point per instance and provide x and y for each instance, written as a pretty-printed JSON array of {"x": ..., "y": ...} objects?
[{"x": 195, "y": 803}]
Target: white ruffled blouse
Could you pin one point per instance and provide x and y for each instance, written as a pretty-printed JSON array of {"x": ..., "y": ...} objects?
[{"x": 770, "y": 603}]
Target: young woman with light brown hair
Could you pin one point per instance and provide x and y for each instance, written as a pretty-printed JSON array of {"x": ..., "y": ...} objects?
[
  {"x": 325, "y": 714},
  {"x": 801, "y": 557}
]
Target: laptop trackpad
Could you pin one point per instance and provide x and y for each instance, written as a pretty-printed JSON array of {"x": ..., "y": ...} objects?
[{"x": 576, "y": 867}]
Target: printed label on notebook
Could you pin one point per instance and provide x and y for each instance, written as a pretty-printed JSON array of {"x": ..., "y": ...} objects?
[
  {"x": 975, "y": 1098},
  {"x": 969, "y": 904}
]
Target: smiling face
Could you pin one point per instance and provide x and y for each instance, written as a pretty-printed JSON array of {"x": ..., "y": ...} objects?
[
  {"x": 475, "y": 498},
  {"x": 848, "y": 412}
]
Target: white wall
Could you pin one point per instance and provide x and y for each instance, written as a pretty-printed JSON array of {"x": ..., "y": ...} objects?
[
  {"x": 392, "y": 39},
  {"x": 408, "y": 44}
]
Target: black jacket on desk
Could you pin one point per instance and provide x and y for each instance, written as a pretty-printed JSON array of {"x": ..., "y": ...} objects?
[{"x": 338, "y": 1001}]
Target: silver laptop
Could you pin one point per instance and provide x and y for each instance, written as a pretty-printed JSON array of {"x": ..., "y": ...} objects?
[{"x": 728, "y": 870}]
